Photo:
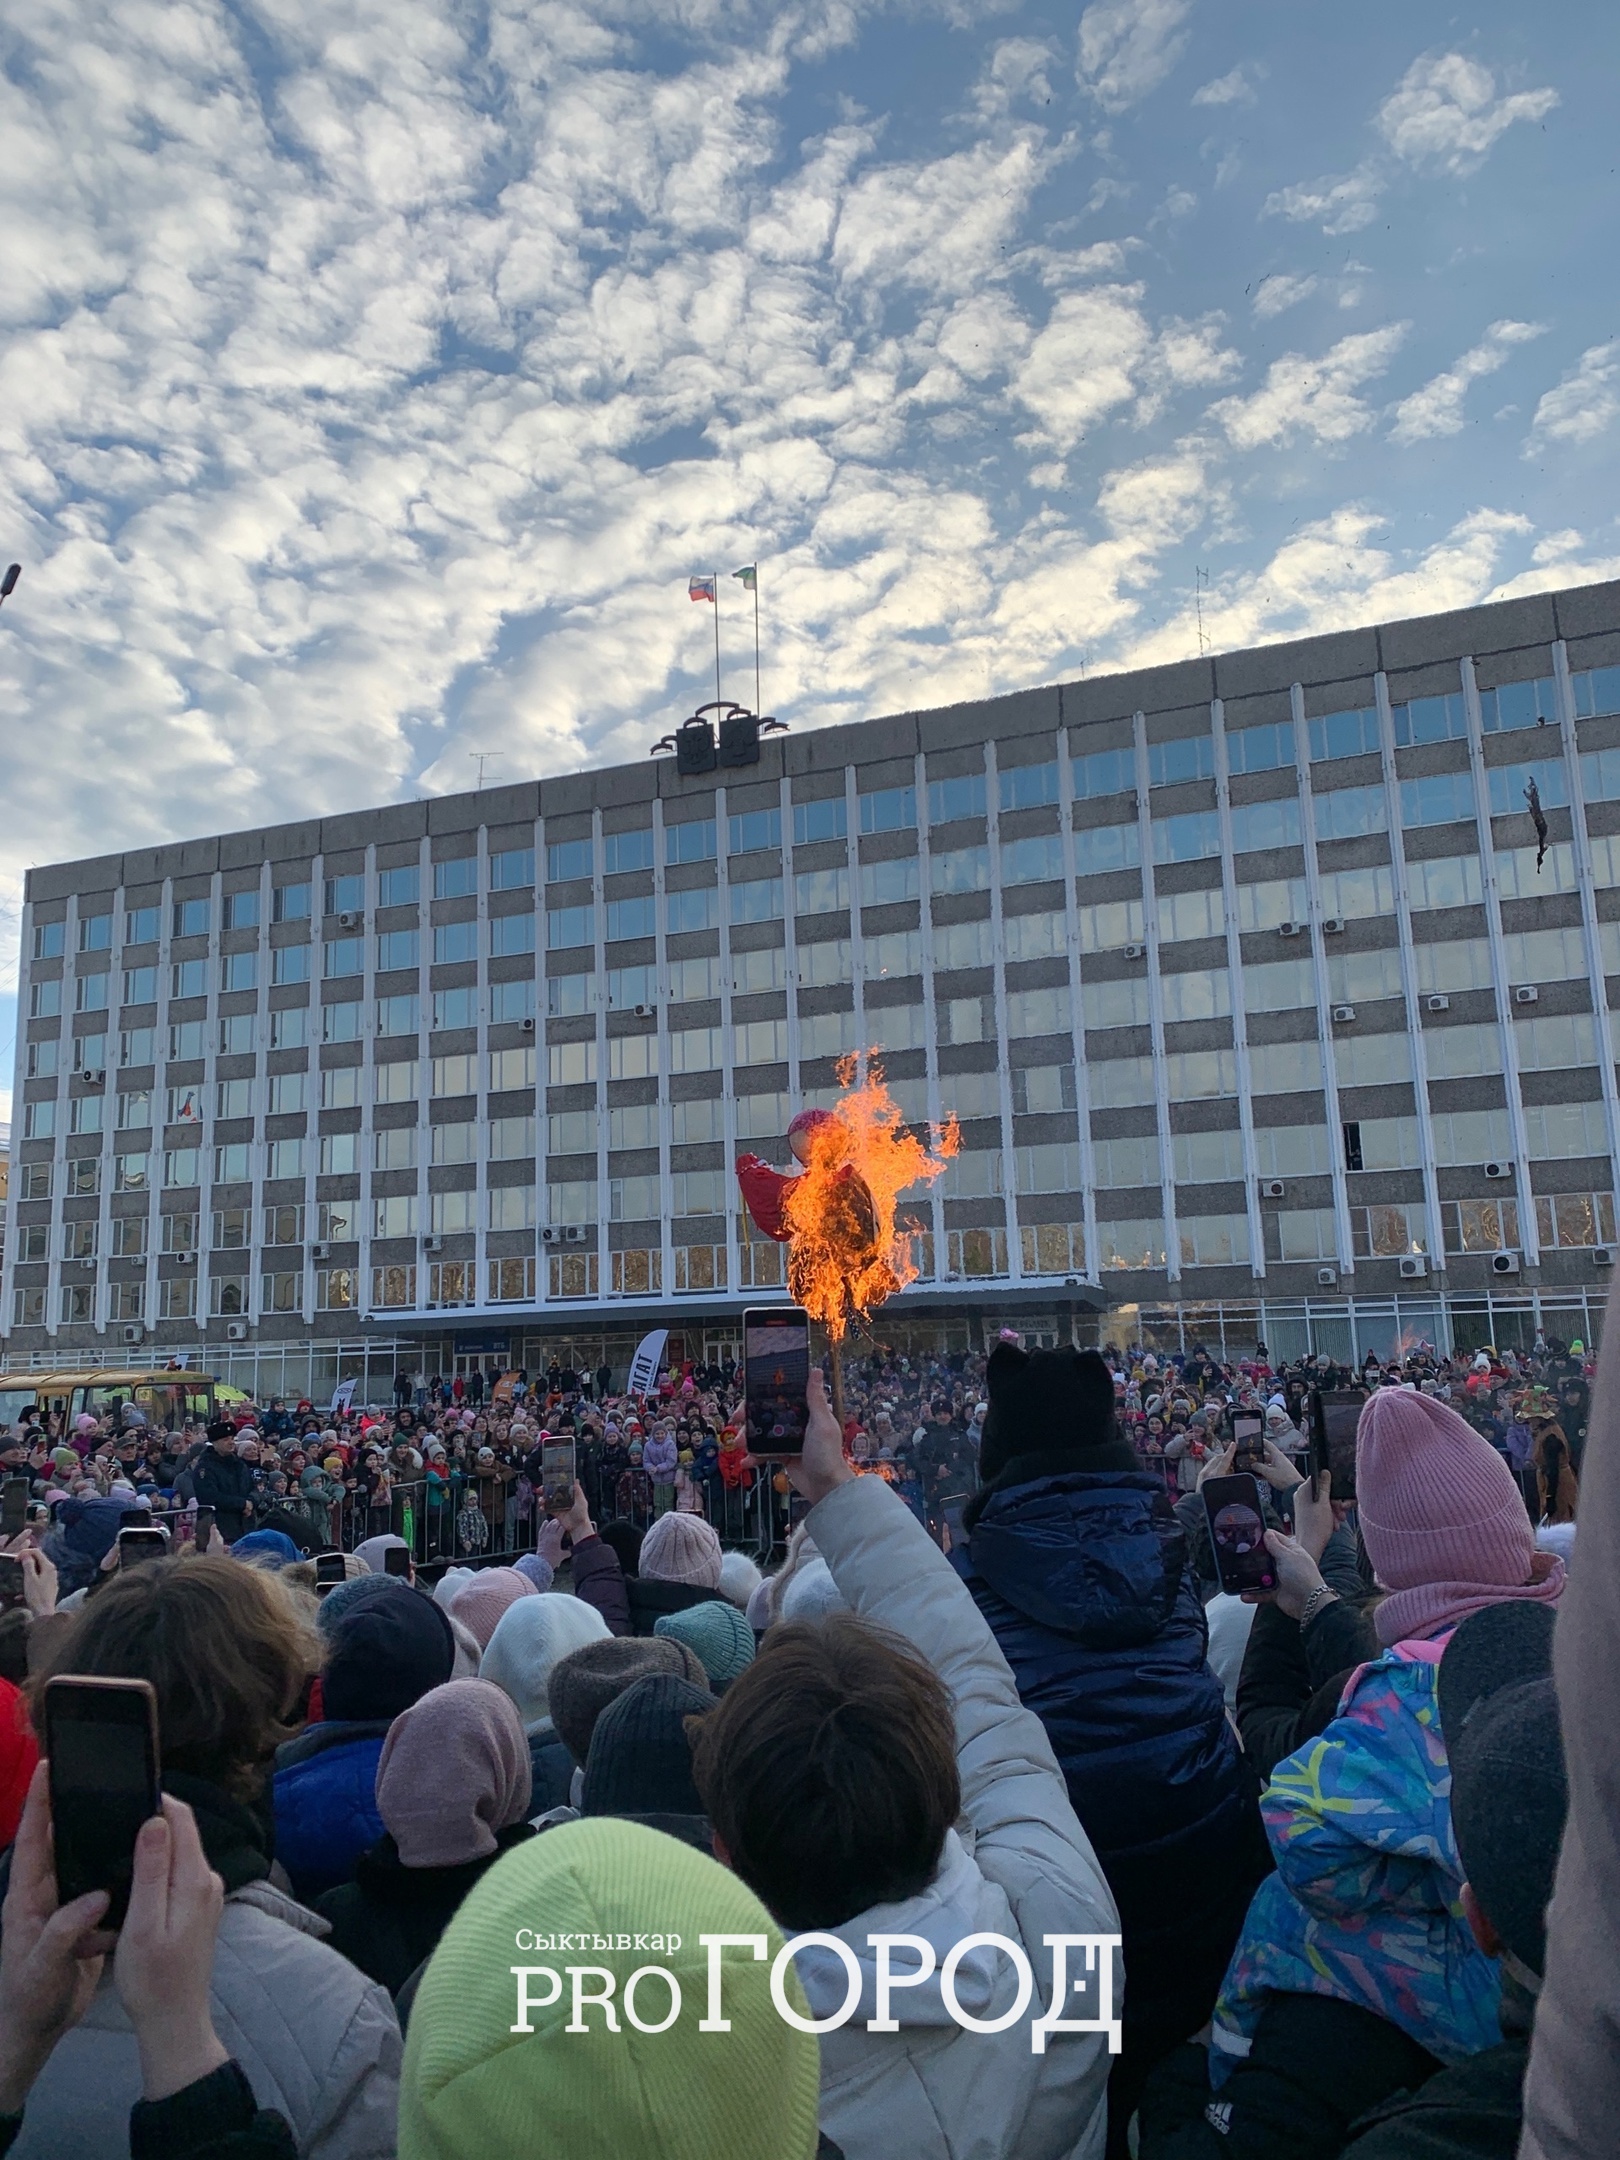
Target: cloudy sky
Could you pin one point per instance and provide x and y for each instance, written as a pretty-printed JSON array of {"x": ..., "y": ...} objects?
[{"x": 374, "y": 372}]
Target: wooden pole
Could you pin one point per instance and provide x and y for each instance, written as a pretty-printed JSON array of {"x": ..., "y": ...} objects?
[{"x": 835, "y": 1354}]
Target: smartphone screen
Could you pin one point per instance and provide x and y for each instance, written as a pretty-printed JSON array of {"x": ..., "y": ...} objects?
[
  {"x": 14, "y": 1507},
  {"x": 1335, "y": 1416},
  {"x": 11, "y": 1579},
  {"x": 1237, "y": 1530},
  {"x": 136, "y": 1546},
  {"x": 101, "y": 1737},
  {"x": 135, "y": 1518},
  {"x": 776, "y": 1377},
  {"x": 557, "y": 1476},
  {"x": 329, "y": 1569},
  {"x": 1248, "y": 1453},
  {"x": 205, "y": 1528},
  {"x": 397, "y": 1560}
]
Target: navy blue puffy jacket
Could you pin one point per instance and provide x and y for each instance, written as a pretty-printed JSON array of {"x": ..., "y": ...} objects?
[
  {"x": 1083, "y": 1577},
  {"x": 325, "y": 1797}
]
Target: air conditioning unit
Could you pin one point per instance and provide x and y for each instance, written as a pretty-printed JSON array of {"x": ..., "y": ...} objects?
[
  {"x": 1136, "y": 952},
  {"x": 575, "y": 1233},
  {"x": 551, "y": 1235},
  {"x": 1332, "y": 925},
  {"x": 237, "y": 1331},
  {"x": 89, "y": 1260},
  {"x": 1273, "y": 1189},
  {"x": 1526, "y": 994},
  {"x": 320, "y": 1252},
  {"x": 526, "y": 1027},
  {"x": 1327, "y": 1277},
  {"x": 433, "y": 1244},
  {"x": 644, "y": 1012},
  {"x": 1413, "y": 1267},
  {"x": 94, "y": 1076},
  {"x": 1602, "y": 1257},
  {"x": 348, "y": 922},
  {"x": 1291, "y": 929},
  {"x": 1344, "y": 1012},
  {"x": 134, "y": 1334},
  {"x": 185, "y": 1259},
  {"x": 1504, "y": 1263},
  {"x": 1498, "y": 1169},
  {"x": 1438, "y": 1004}
]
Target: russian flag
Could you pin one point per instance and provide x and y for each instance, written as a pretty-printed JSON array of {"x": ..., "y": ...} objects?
[{"x": 701, "y": 588}]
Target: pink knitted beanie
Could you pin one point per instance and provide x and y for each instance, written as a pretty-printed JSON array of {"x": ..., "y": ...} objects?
[
  {"x": 479, "y": 1603},
  {"x": 682, "y": 1549},
  {"x": 1443, "y": 1522}
]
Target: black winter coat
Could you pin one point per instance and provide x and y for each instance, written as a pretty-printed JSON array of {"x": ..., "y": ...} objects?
[
  {"x": 1084, "y": 1578},
  {"x": 391, "y": 1917}
]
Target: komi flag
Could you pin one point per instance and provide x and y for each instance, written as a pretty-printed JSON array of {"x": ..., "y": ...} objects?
[
  {"x": 748, "y": 576},
  {"x": 701, "y": 588}
]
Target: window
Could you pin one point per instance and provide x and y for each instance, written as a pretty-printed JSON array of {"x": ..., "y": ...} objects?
[
  {"x": 242, "y": 910},
  {"x": 632, "y": 1057},
  {"x": 131, "y": 1173},
  {"x": 573, "y": 1201},
  {"x": 751, "y": 829},
  {"x": 821, "y": 892},
  {"x": 567, "y": 859},
  {"x": 1431, "y": 719},
  {"x": 1266, "y": 825},
  {"x": 140, "y": 927},
  {"x": 1344, "y": 813},
  {"x": 232, "y": 1229},
  {"x": 511, "y": 1281},
  {"x": 43, "y": 1059},
  {"x": 962, "y": 797},
  {"x": 1033, "y": 937},
  {"x": 758, "y": 901},
  {"x": 393, "y": 1147},
  {"x": 402, "y": 886},
  {"x": 1301, "y": 1234},
  {"x": 1171, "y": 762},
  {"x": 698, "y": 908},
  {"x": 289, "y": 964},
  {"x": 1581, "y": 1219},
  {"x": 1188, "y": 838},
  {"x": 1457, "y": 964},
  {"x": 134, "y": 1109},
  {"x": 511, "y": 1138},
  {"x": 701, "y": 1119},
  {"x": 512, "y": 870},
  {"x": 48, "y": 940},
  {"x": 515, "y": 933},
  {"x": 1190, "y": 915},
  {"x": 1479, "y": 1226},
  {"x": 1268, "y": 905},
  {"x": 697, "y": 1192},
  {"x": 693, "y": 841},
  {"x": 1279, "y": 986},
  {"x": 765, "y": 968},
  {"x": 693, "y": 1050},
  {"x": 511, "y": 1003},
  {"x": 344, "y": 956},
  {"x": 1196, "y": 1075},
  {"x": 571, "y": 1132},
  {"x": 1261, "y": 749},
  {"x": 1371, "y": 1060},
  {"x": 1107, "y": 926},
  {"x": 129, "y": 1236},
  {"x": 1292, "y": 1151},
  {"x": 511, "y": 1069},
  {"x": 1213, "y": 1240},
  {"x": 961, "y": 1020},
  {"x": 1134, "y": 1244},
  {"x": 449, "y": 1213},
  {"x": 187, "y": 1039},
  {"x": 1437, "y": 799},
  {"x": 457, "y": 879},
  {"x": 397, "y": 1081},
  {"x": 140, "y": 986},
  {"x": 457, "y": 1143},
  {"x": 1387, "y": 1233},
  {"x": 1120, "y": 1083},
  {"x": 630, "y": 987},
  {"x": 888, "y": 810},
  {"x": 1342, "y": 734},
  {"x": 512, "y": 1207},
  {"x": 339, "y": 1023},
  {"x": 398, "y": 1015},
  {"x": 457, "y": 1075},
  {"x": 137, "y": 1046},
  {"x": 1284, "y": 1068},
  {"x": 340, "y": 1154},
  {"x": 95, "y": 933},
  {"x": 1104, "y": 772},
  {"x": 289, "y": 903},
  {"x": 1519, "y": 705},
  {"x": 456, "y": 1008},
  {"x": 1481, "y": 1136},
  {"x": 44, "y": 1000},
  {"x": 1596, "y": 690},
  {"x": 1134, "y": 1159},
  {"x": 284, "y": 1159},
  {"x": 455, "y": 941},
  {"x": 84, "y": 1176},
  {"x": 182, "y": 1166},
  {"x": 234, "y": 1099},
  {"x": 567, "y": 996},
  {"x": 92, "y": 990},
  {"x": 569, "y": 1064},
  {"x": 1107, "y": 847},
  {"x": 1363, "y": 976},
  {"x": 892, "y": 953},
  {"x": 233, "y": 1163},
  {"x": 764, "y": 1042},
  {"x": 85, "y": 1113},
  {"x": 1445, "y": 881},
  {"x": 191, "y": 918},
  {"x": 572, "y": 926},
  {"x": 1051, "y": 1167},
  {"x": 39, "y": 1121},
  {"x": 395, "y": 949},
  {"x": 335, "y": 1289},
  {"x": 1555, "y": 1041},
  {"x": 1204, "y": 1158},
  {"x": 1558, "y": 1131},
  {"x": 1039, "y": 1012},
  {"x": 975, "y": 1174},
  {"x": 1538, "y": 956},
  {"x": 1505, "y": 785},
  {"x": 1519, "y": 878},
  {"x": 884, "y": 884},
  {"x": 1034, "y": 860},
  {"x": 1382, "y": 1144},
  {"x": 394, "y": 1216},
  {"x": 179, "y": 1233},
  {"x": 824, "y": 820},
  {"x": 1027, "y": 787}
]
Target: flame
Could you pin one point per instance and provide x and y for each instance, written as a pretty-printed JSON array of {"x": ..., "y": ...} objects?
[{"x": 847, "y": 1254}]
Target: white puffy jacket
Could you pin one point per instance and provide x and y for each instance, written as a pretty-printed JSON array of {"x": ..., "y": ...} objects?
[{"x": 1018, "y": 1865}]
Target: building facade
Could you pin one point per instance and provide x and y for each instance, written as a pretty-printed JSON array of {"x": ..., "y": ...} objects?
[{"x": 1262, "y": 1006}]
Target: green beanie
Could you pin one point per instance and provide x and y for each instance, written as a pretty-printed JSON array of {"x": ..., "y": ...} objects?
[
  {"x": 718, "y": 1633},
  {"x": 472, "y": 2089}
]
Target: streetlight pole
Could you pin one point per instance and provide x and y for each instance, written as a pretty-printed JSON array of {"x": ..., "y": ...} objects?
[{"x": 8, "y": 584}]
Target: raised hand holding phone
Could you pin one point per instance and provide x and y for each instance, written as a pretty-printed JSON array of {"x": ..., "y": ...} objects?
[{"x": 50, "y": 1953}]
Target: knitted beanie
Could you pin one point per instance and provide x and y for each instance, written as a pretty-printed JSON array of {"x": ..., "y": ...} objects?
[
  {"x": 470, "y": 2090},
  {"x": 386, "y": 1653},
  {"x": 453, "y": 1771},
  {"x": 811, "y": 1594},
  {"x": 479, "y": 1604},
  {"x": 640, "y": 1761},
  {"x": 718, "y": 1633},
  {"x": 529, "y": 1638},
  {"x": 683, "y": 1549},
  {"x": 586, "y": 1681},
  {"x": 534, "y": 1568},
  {"x": 1444, "y": 1524},
  {"x": 345, "y": 1597},
  {"x": 1045, "y": 1402}
]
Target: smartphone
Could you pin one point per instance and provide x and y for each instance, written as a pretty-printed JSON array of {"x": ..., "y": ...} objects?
[
  {"x": 204, "y": 1529},
  {"x": 135, "y": 1518},
  {"x": 11, "y": 1580},
  {"x": 135, "y": 1546},
  {"x": 102, "y": 1740},
  {"x": 329, "y": 1570},
  {"x": 776, "y": 1379},
  {"x": 1335, "y": 1415},
  {"x": 397, "y": 1560},
  {"x": 1249, "y": 1452},
  {"x": 14, "y": 1508},
  {"x": 1237, "y": 1530},
  {"x": 557, "y": 1477}
]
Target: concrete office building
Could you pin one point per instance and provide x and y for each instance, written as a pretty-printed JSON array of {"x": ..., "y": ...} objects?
[{"x": 1258, "y": 1010}]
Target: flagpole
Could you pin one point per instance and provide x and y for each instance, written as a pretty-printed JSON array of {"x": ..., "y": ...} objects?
[
  {"x": 717, "y": 698},
  {"x": 757, "y": 706}
]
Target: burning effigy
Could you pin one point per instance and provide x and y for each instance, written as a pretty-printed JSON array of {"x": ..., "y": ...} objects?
[{"x": 847, "y": 1254}]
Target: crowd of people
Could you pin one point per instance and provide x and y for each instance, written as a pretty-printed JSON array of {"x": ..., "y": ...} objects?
[{"x": 955, "y": 1810}]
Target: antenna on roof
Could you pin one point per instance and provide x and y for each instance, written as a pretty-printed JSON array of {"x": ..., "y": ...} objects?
[{"x": 1200, "y": 587}]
